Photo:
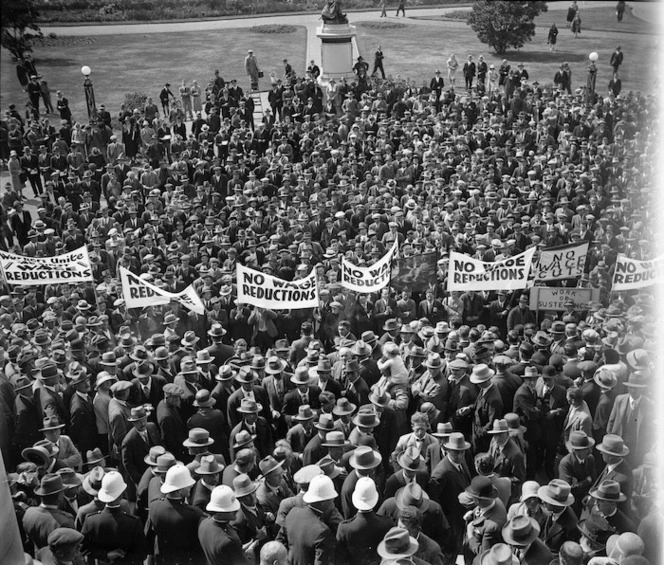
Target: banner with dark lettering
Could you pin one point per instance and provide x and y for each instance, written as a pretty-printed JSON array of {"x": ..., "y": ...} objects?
[
  {"x": 467, "y": 273},
  {"x": 266, "y": 291},
  {"x": 368, "y": 279},
  {"x": 139, "y": 294},
  {"x": 415, "y": 273},
  {"x": 73, "y": 267},
  {"x": 631, "y": 274},
  {"x": 563, "y": 262}
]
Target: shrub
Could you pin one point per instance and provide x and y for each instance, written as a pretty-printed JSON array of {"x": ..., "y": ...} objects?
[
  {"x": 135, "y": 101},
  {"x": 273, "y": 28}
]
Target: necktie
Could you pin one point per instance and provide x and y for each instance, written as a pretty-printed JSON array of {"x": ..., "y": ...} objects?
[
  {"x": 146, "y": 391},
  {"x": 305, "y": 399}
]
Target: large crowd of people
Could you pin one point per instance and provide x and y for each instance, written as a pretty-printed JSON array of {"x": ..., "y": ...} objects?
[{"x": 408, "y": 427}]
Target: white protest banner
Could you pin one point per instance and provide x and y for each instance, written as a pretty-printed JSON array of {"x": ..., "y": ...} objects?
[
  {"x": 563, "y": 262},
  {"x": 467, "y": 273},
  {"x": 554, "y": 298},
  {"x": 368, "y": 279},
  {"x": 266, "y": 291},
  {"x": 72, "y": 267},
  {"x": 631, "y": 274},
  {"x": 139, "y": 293}
]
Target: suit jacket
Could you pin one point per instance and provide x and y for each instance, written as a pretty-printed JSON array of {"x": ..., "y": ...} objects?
[
  {"x": 309, "y": 540},
  {"x": 134, "y": 451},
  {"x": 276, "y": 400},
  {"x": 173, "y": 429},
  {"x": 410, "y": 440},
  {"x": 488, "y": 407},
  {"x": 358, "y": 394},
  {"x": 200, "y": 495},
  {"x": 26, "y": 422},
  {"x": 157, "y": 384},
  {"x": 537, "y": 554},
  {"x": 552, "y": 427},
  {"x": 358, "y": 538},
  {"x": 263, "y": 442},
  {"x": 233, "y": 417},
  {"x": 313, "y": 451},
  {"x": 39, "y": 522},
  {"x": 555, "y": 533},
  {"x": 83, "y": 430},
  {"x": 397, "y": 480},
  {"x": 447, "y": 482},
  {"x": 511, "y": 463},
  {"x": 50, "y": 403},
  {"x": 269, "y": 500},
  {"x": 576, "y": 420},
  {"x": 622, "y": 474},
  {"x": 221, "y": 353},
  {"x": 220, "y": 543},
  {"x": 642, "y": 416},
  {"x": 213, "y": 421},
  {"x": 293, "y": 400},
  {"x": 576, "y": 474},
  {"x": 118, "y": 426},
  {"x": 488, "y": 527},
  {"x": 248, "y": 521}
]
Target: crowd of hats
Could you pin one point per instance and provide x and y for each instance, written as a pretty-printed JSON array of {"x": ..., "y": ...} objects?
[{"x": 465, "y": 175}]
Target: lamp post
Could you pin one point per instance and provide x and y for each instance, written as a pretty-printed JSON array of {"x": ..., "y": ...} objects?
[
  {"x": 592, "y": 77},
  {"x": 89, "y": 93}
]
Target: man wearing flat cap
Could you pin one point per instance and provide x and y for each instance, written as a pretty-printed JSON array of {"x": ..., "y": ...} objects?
[{"x": 64, "y": 546}]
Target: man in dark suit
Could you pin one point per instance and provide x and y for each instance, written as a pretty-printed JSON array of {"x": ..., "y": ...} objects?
[
  {"x": 26, "y": 419},
  {"x": 577, "y": 468},
  {"x": 276, "y": 384},
  {"x": 358, "y": 538},
  {"x": 560, "y": 523},
  {"x": 554, "y": 409},
  {"x": 298, "y": 349},
  {"x": 326, "y": 439},
  {"x": 449, "y": 479},
  {"x": 304, "y": 393},
  {"x": 48, "y": 401},
  {"x": 172, "y": 426},
  {"x": 306, "y": 534},
  {"x": 459, "y": 409},
  {"x": 631, "y": 418},
  {"x": 356, "y": 389},
  {"x": 83, "y": 429},
  {"x": 413, "y": 468},
  {"x": 40, "y": 521},
  {"x": 248, "y": 389},
  {"x": 148, "y": 387},
  {"x": 488, "y": 407},
  {"x": 614, "y": 451},
  {"x": 218, "y": 350},
  {"x": 526, "y": 405},
  {"x": 485, "y": 521},
  {"x": 508, "y": 460},
  {"x": 255, "y": 425},
  {"x": 136, "y": 446},
  {"x": 521, "y": 534}
]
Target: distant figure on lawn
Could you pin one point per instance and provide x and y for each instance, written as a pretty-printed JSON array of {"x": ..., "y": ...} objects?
[
  {"x": 571, "y": 12},
  {"x": 620, "y": 10},
  {"x": 251, "y": 66},
  {"x": 553, "y": 37},
  {"x": 616, "y": 59},
  {"x": 576, "y": 25}
]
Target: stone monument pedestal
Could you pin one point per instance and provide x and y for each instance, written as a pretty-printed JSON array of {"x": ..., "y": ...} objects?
[{"x": 336, "y": 51}]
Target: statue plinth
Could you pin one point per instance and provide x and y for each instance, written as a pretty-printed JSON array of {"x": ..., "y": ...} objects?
[{"x": 336, "y": 50}]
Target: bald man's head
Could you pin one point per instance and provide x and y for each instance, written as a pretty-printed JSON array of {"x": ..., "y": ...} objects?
[
  {"x": 274, "y": 553},
  {"x": 571, "y": 553}
]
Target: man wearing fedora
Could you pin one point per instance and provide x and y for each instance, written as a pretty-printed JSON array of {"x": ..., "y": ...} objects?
[
  {"x": 358, "y": 538},
  {"x": 47, "y": 399},
  {"x": 273, "y": 489},
  {"x": 209, "y": 476},
  {"x": 577, "y": 468},
  {"x": 319, "y": 445},
  {"x": 485, "y": 519},
  {"x": 82, "y": 414},
  {"x": 527, "y": 404},
  {"x": 255, "y": 425},
  {"x": 521, "y": 533},
  {"x": 412, "y": 468},
  {"x": 118, "y": 417},
  {"x": 304, "y": 393},
  {"x": 171, "y": 424},
  {"x": 487, "y": 408},
  {"x": 631, "y": 417},
  {"x": 355, "y": 388},
  {"x": 276, "y": 384},
  {"x": 604, "y": 500},
  {"x": 616, "y": 468},
  {"x": 67, "y": 454},
  {"x": 553, "y": 405},
  {"x": 40, "y": 521},
  {"x": 111, "y": 534},
  {"x": 26, "y": 417},
  {"x": 136, "y": 446},
  {"x": 219, "y": 351},
  {"x": 249, "y": 389},
  {"x": 561, "y": 522},
  {"x": 212, "y": 420},
  {"x": 148, "y": 387},
  {"x": 251, "y": 521}
]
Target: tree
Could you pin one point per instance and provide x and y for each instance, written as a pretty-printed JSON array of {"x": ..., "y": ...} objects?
[
  {"x": 19, "y": 26},
  {"x": 502, "y": 24}
]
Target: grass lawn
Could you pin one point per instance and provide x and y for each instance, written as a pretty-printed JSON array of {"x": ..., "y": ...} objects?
[
  {"x": 143, "y": 63},
  {"x": 421, "y": 47}
]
